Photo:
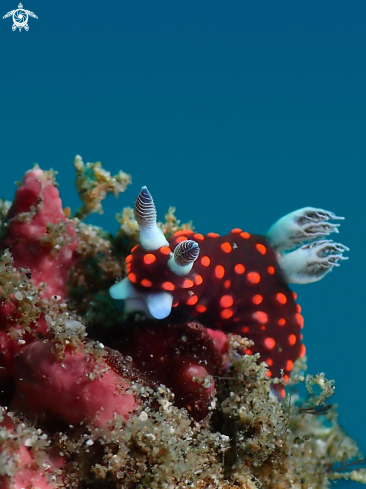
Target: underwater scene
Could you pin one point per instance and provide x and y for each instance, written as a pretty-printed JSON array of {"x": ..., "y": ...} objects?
[{"x": 181, "y": 245}]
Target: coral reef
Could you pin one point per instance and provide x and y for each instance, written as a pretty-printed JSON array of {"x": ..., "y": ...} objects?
[{"x": 94, "y": 397}]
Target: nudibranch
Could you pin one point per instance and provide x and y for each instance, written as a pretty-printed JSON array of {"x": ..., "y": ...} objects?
[{"x": 237, "y": 283}]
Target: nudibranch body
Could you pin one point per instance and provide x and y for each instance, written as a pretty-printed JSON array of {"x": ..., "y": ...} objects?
[{"x": 237, "y": 283}]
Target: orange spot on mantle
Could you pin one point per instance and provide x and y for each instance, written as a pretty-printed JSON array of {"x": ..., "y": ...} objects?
[
  {"x": 187, "y": 283},
  {"x": 226, "y": 313},
  {"x": 257, "y": 299},
  {"x": 149, "y": 258},
  {"x": 300, "y": 320},
  {"x": 165, "y": 250},
  {"x": 261, "y": 317},
  {"x": 198, "y": 279},
  {"x": 261, "y": 248},
  {"x": 146, "y": 283},
  {"x": 219, "y": 271},
  {"x": 289, "y": 365},
  {"x": 239, "y": 268},
  {"x": 269, "y": 343},
  {"x": 132, "y": 277},
  {"x": 226, "y": 301},
  {"x": 168, "y": 286},
  {"x": 281, "y": 298},
  {"x": 226, "y": 247},
  {"x": 292, "y": 339},
  {"x": 192, "y": 300},
  {"x": 254, "y": 277},
  {"x": 201, "y": 308}
]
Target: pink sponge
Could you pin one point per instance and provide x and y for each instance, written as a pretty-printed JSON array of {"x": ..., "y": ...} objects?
[
  {"x": 74, "y": 388},
  {"x": 38, "y": 234},
  {"x": 182, "y": 356},
  {"x": 27, "y": 473},
  {"x": 24, "y": 468},
  {"x": 40, "y": 238}
]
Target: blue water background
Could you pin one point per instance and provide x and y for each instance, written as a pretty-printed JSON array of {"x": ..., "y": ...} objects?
[{"x": 234, "y": 112}]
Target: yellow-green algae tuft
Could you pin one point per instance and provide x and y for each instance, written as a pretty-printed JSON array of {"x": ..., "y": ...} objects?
[{"x": 94, "y": 183}]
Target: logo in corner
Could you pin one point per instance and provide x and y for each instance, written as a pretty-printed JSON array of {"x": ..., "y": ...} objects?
[{"x": 20, "y": 18}]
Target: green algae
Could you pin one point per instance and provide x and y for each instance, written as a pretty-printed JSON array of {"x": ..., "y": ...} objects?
[
  {"x": 16, "y": 284},
  {"x": 4, "y": 208},
  {"x": 250, "y": 440}
]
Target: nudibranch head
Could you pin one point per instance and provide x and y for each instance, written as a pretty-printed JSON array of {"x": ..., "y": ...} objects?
[
  {"x": 163, "y": 269},
  {"x": 237, "y": 283},
  {"x": 155, "y": 270}
]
